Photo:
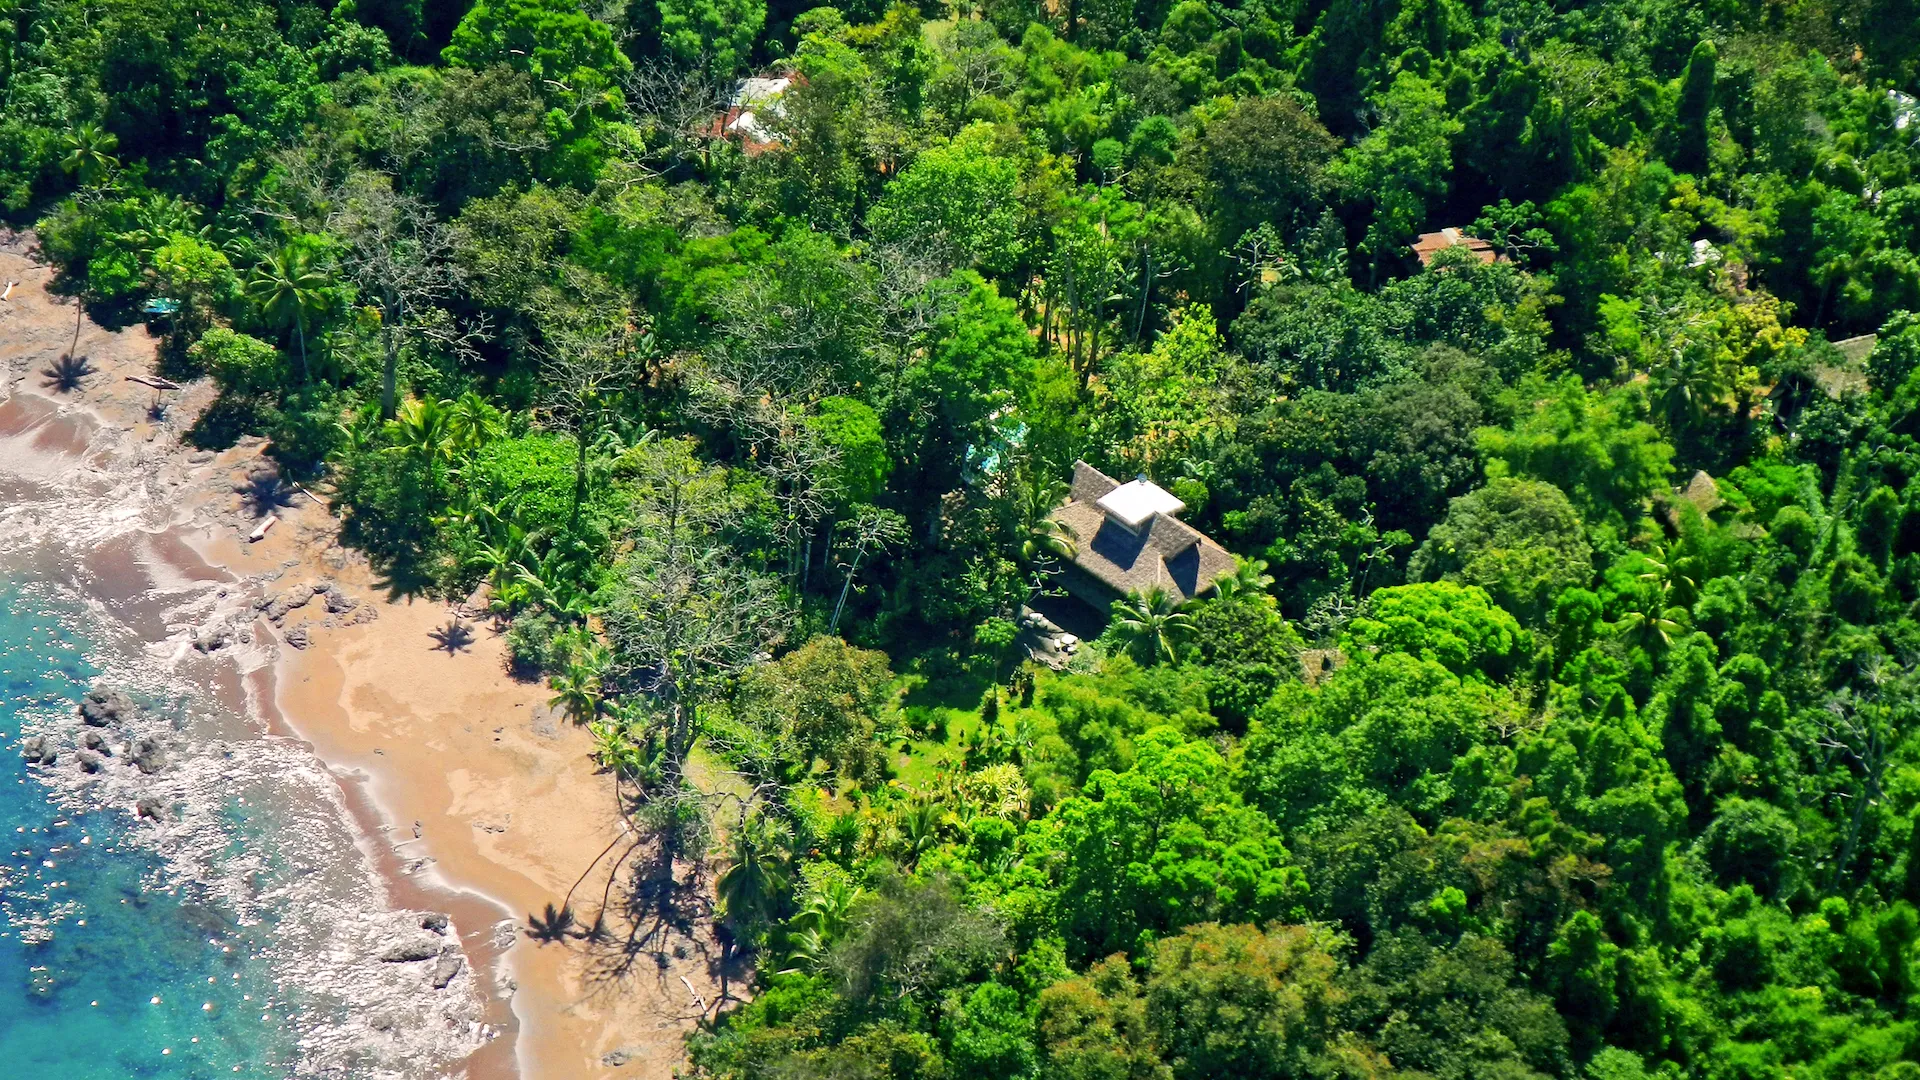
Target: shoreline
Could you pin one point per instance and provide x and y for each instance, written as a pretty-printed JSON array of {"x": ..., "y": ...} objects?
[{"x": 507, "y": 803}]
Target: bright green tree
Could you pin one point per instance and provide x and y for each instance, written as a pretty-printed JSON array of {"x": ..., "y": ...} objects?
[
  {"x": 1163, "y": 845},
  {"x": 717, "y": 35},
  {"x": 1520, "y": 540},
  {"x": 1596, "y": 446},
  {"x": 963, "y": 195},
  {"x": 552, "y": 40}
]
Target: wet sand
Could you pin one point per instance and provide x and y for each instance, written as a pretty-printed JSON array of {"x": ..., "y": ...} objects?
[{"x": 424, "y": 732}]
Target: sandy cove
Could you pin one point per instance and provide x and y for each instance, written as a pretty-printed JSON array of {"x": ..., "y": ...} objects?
[{"x": 464, "y": 781}]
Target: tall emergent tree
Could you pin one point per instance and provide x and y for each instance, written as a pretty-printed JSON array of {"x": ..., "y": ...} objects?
[
  {"x": 400, "y": 257},
  {"x": 591, "y": 359},
  {"x": 687, "y": 614}
]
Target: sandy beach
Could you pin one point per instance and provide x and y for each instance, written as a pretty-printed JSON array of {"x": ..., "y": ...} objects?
[{"x": 471, "y": 796}]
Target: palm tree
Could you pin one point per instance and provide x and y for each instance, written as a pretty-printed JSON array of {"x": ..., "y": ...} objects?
[
  {"x": 561, "y": 581},
  {"x": 501, "y": 557},
  {"x": 360, "y": 435},
  {"x": 820, "y": 923},
  {"x": 473, "y": 423},
  {"x": 1249, "y": 577},
  {"x": 89, "y": 151},
  {"x": 1667, "y": 570},
  {"x": 1152, "y": 623},
  {"x": 421, "y": 430},
  {"x": 751, "y": 885},
  {"x": 1652, "y": 623},
  {"x": 289, "y": 291},
  {"x": 578, "y": 691},
  {"x": 1042, "y": 536},
  {"x": 917, "y": 827}
]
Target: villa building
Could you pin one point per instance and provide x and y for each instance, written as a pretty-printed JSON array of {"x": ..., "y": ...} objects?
[{"x": 1127, "y": 538}]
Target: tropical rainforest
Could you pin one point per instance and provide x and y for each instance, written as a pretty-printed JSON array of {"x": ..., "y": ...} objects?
[{"x": 1562, "y": 718}]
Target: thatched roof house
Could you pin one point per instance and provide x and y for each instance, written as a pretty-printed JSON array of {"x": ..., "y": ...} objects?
[{"x": 1127, "y": 539}]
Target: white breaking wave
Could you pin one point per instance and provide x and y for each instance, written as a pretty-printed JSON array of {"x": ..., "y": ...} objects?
[{"x": 295, "y": 868}]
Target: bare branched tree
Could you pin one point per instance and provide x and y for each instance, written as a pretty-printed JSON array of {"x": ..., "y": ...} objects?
[
  {"x": 1857, "y": 730},
  {"x": 801, "y": 469},
  {"x": 400, "y": 257},
  {"x": 910, "y": 293},
  {"x": 771, "y": 340},
  {"x": 871, "y": 530},
  {"x": 681, "y": 107},
  {"x": 590, "y": 359},
  {"x": 688, "y": 615},
  {"x": 307, "y": 181},
  {"x": 804, "y": 472}
]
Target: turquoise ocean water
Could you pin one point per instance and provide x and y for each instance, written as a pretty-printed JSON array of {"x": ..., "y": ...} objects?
[{"x": 110, "y": 965}]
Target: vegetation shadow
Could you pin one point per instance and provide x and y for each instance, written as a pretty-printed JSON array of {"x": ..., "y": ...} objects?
[{"x": 67, "y": 374}]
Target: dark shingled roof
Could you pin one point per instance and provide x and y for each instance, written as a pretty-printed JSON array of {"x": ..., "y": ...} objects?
[{"x": 1165, "y": 552}]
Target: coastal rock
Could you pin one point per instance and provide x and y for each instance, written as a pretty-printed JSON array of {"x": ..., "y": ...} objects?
[
  {"x": 104, "y": 708},
  {"x": 213, "y": 639},
  {"x": 436, "y": 922},
  {"x": 90, "y": 762},
  {"x": 96, "y": 742},
  {"x": 148, "y": 756},
  {"x": 298, "y": 637},
  {"x": 150, "y": 807},
  {"x": 38, "y": 751},
  {"x": 505, "y": 933},
  {"x": 364, "y": 613},
  {"x": 448, "y": 968},
  {"x": 291, "y": 600},
  {"x": 410, "y": 951},
  {"x": 339, "y": 603},
  {"x": 613, "y": 1059}
]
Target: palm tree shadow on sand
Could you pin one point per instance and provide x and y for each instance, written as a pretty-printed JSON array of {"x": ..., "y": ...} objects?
[
  {"x": 556, "y": 924},
  {"x": 66, "y": 374},
  {"x": 453, "y": 637},
  {"x": 265, "y": 492}
]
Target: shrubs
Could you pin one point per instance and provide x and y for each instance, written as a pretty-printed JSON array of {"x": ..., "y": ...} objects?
[{"x": 535, "y": 644}]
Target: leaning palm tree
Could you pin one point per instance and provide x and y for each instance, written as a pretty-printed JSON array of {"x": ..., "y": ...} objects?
[
  {"x": 1152, "y": 623},
  {"x": 820, "y": 923},
  {"x": 578, "y": 691},
  {"x": 290, "y": 292}
]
